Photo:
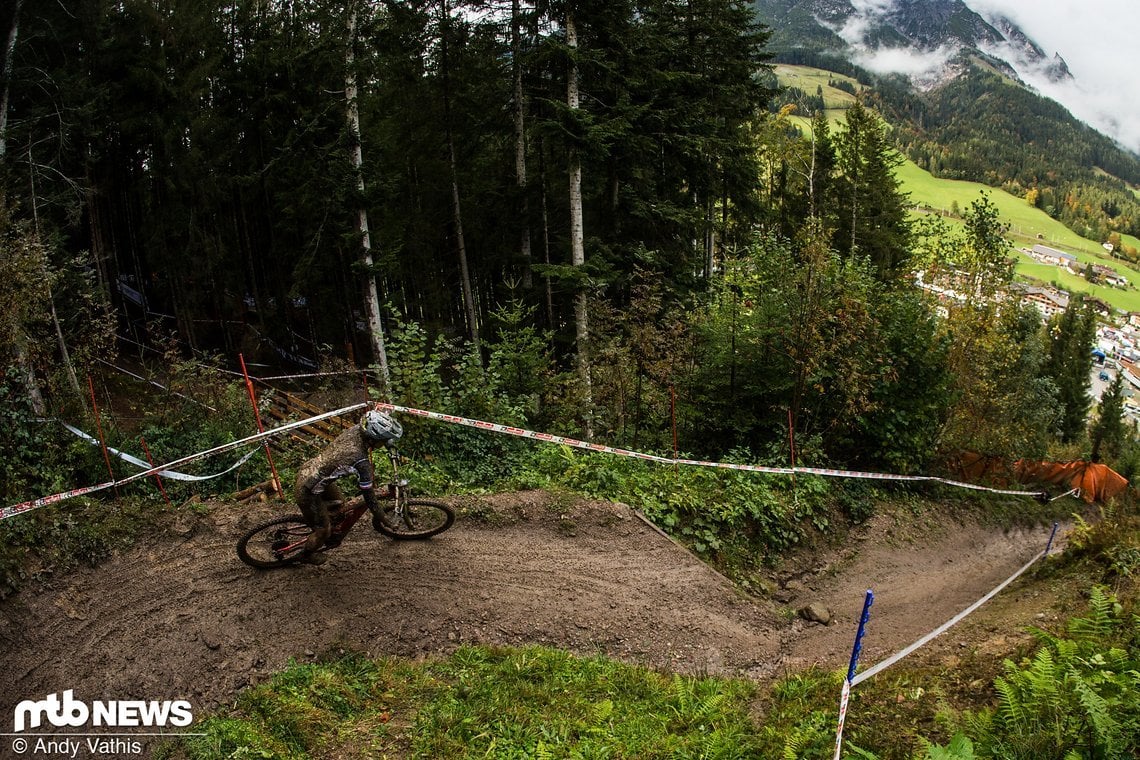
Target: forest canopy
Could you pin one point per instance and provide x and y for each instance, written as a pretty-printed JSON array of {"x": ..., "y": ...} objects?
[{"x": 582, "y": 214}]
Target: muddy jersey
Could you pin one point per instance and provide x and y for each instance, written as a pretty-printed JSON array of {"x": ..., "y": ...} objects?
[{"x": 346, "y": 455}]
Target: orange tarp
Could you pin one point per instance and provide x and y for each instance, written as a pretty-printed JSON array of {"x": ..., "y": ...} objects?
[{"x": 1098, "y": 482}]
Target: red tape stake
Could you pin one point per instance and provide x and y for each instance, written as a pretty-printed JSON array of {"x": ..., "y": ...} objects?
[
  {"x": 260, "y": 427},
  {"x": 99, "y": 429},
  {"x": 157, "y": 478}
]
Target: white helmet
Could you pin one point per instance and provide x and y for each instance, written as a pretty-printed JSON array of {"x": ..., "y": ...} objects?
[{"x": 380, "y": 427}]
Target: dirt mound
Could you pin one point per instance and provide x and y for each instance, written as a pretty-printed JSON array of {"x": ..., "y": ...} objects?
[{"x": 181, "y": 618}]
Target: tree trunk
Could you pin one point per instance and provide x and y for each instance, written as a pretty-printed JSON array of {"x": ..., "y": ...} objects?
[
  {"x": 65, "y": 355},
  {"x": 550, "y": 321},
  {"x": 9, "y": 53},
  {"x": 456, "y": 211},
  {"x": 520, "y": 146},
  {"x": 577, "y": 241},
  {"x": 371, "y": 292},
  {"x": 24, "y": 362}
]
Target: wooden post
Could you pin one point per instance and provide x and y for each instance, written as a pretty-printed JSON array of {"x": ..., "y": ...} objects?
[
  {"x": 792, "y": 448},
  {"x": 673, "y": 416}
]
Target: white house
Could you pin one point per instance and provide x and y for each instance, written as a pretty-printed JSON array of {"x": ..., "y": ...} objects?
[{"x": 1047, "y": 255}]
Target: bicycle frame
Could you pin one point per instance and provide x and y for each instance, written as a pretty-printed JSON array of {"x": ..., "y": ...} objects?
[
  {"x": 344, "y": 518},
  {"x": 281, "y": 541}
]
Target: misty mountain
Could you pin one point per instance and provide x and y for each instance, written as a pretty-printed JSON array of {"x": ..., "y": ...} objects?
[
  {"x": 928, "y": 40},
  {"x": 955, "y": 85}
]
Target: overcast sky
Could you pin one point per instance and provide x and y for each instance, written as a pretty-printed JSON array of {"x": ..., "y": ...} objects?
[{"x": 1097, "y": 38}]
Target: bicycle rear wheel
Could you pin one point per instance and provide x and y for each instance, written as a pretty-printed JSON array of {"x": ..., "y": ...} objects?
[
  {"x": 418, "y": 518},
  {"x": 276, "y": 543}
]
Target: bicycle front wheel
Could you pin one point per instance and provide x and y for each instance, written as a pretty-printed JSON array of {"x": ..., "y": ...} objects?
[
  {"x": 416, "y": 519},
  {"x": 276, "y": 543}
]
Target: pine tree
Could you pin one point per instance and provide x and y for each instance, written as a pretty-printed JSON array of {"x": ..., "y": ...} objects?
[
  {"x": 1108, "y": 432},
  {"x": 1069, "y": 365},
  {"x": 872, "y": 210}
]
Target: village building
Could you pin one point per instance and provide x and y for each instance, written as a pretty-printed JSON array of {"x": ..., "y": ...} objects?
[
  {"x": 1048, "y": 301},
  {"x": 1047, "y": 255}
]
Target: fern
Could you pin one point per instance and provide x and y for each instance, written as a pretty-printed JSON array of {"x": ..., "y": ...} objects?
[
  {"x": 710, "y": 705},
  {"x": 960, "y": 748},
  {"x": 1097, "y": 710},
  {"x": 543, "y": 751},
  {"x": 682, "y": 691},
  {"x": 602, "y": 711},
  {"x": 1103, "y": 620},
  {"x": 793, "y": 745},
  {"x": 1077, "y": 696}
]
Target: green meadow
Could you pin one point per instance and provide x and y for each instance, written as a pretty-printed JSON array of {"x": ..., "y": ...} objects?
[{"x": 1027, "y": 225}]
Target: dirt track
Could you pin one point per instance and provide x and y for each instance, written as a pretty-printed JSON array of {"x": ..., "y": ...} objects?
[{"x": 182, "y": 618}]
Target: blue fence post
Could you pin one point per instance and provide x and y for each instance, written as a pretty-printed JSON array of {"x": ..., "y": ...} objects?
[
  {"x": 855, "y": 650},
  {"x": 1049, "y": 545}
]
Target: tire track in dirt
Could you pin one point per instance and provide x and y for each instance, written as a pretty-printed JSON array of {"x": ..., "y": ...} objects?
[
  {"x": 922, "y": 576},
  {"x": 180, "y": 617}
]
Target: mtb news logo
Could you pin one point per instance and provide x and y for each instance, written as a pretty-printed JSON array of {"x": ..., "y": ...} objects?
[{"x": 69, "y": 712}]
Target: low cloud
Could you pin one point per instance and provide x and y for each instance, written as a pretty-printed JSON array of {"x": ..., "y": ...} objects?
[
  {"x": 854, "y": 29},
  {"x": 1095, "y": 38},
  {"x": 923, "y": 66}
]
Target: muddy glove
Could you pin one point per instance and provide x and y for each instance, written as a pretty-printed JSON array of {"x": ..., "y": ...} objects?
[{"x": 374, "y": 508}]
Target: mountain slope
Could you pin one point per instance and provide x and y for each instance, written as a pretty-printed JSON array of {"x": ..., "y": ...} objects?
[
  {"x": 947, "y": 79},
  {"x": 929, "y": 39}
]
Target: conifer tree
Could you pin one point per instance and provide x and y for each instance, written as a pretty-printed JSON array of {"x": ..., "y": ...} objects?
[
  {"x": 1108, "y": 432},
  {"x": 872, "y": 210},
  {"x": 1069, "y": 366}
]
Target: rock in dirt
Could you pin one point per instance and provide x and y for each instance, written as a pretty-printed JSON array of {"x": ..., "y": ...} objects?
[{"x": 816, "y": 613}]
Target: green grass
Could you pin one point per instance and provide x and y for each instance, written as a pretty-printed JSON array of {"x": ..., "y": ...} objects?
[
  {"x": 1026, "y": 222},
  {"x": 1127, "y": 300},
  {"x": 810, "y": 79},
  {"x": 482, "y": 702},
  {"x": 1028, "y": 225},
  {"x": 835, "y": 101}
]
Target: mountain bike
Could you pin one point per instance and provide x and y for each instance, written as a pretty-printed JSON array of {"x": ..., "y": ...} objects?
[{"x": 281, "y": 541}]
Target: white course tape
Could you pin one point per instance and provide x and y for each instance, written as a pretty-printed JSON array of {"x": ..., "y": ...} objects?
[
  {"x": 942, "y": 628},
  {"x": 309, "y": 374},
  {"x": 494, "y": 427},
  {"x": 547, "y": 437},
  {"x": 26, "y": 506},
  {"x": 844, "y": 698},
  {"x": 170, "y": 474}
]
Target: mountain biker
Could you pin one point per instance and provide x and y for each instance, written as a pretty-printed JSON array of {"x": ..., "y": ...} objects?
[{"x": 316, "y": 489}]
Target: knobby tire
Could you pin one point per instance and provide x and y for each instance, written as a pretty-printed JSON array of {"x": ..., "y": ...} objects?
[
  {"x": 264, "y": 546},
  {"x": 423, "y": 518}
]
